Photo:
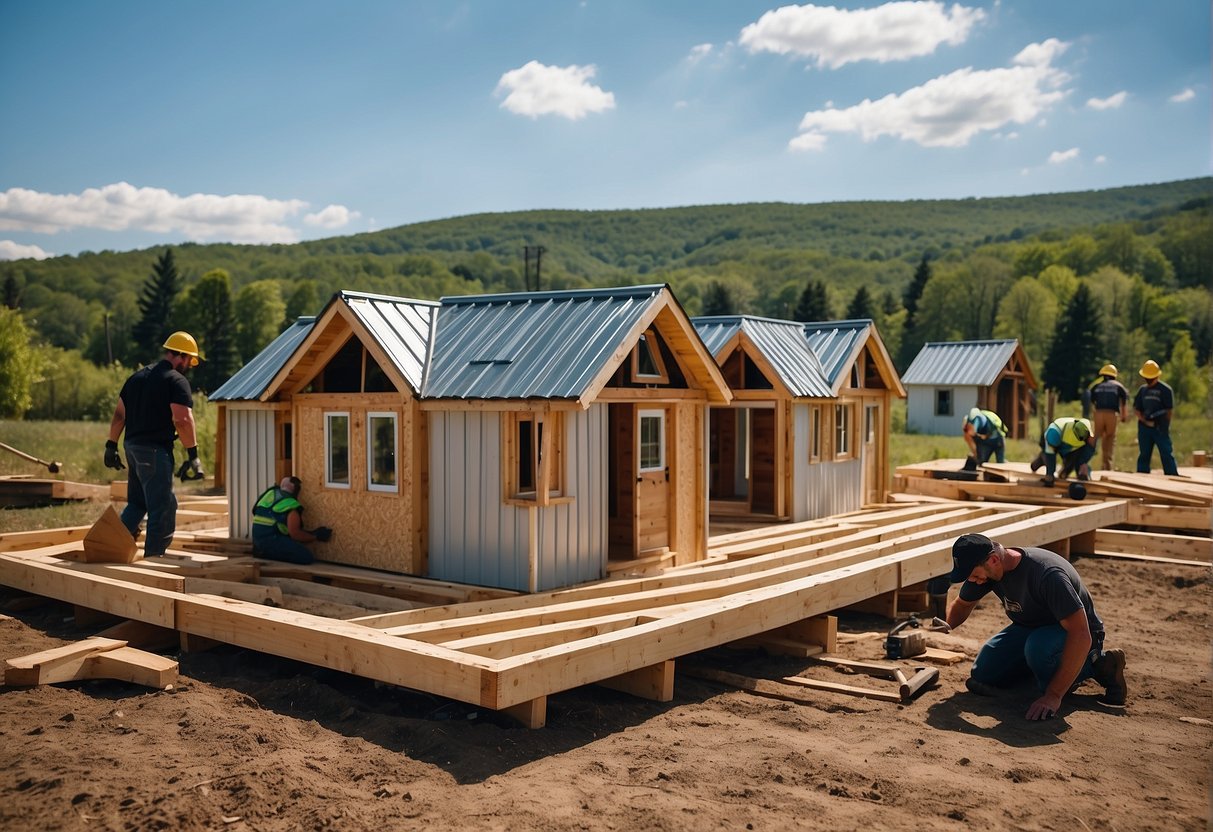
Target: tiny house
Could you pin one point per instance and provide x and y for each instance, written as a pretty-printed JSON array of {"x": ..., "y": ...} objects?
[{"x": 949, "y": 378}]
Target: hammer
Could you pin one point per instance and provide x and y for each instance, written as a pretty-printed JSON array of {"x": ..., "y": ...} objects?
[
  {"x": 922, "y": 677},
  {"x": 53, "y": 467}
]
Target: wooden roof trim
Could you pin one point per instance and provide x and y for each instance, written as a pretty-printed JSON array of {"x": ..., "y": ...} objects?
[
  {"x": 750, "y": 349},
  {"x": 884, "y": 362},
  {"x": 318, "y": 328}
]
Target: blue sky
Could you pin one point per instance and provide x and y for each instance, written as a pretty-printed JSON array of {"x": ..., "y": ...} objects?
[{"x": 130, "y": 124}]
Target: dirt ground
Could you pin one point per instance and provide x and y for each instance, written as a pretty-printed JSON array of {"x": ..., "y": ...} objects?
[{"x": 247, "y": 741}]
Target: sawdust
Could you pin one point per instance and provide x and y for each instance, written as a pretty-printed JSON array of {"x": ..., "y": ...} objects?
[{"x": 251, "y": 742}]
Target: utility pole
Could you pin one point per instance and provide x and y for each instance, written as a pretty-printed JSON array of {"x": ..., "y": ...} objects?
[
  {"x": 109, "y": 347},
  {"x": 526, "y": 265}
]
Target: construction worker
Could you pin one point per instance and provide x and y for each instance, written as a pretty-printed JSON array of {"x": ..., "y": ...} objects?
[
  {"x": 1109, "y": 399},
  {"x": 1153, "y": 404},
  {"x": 1074, "y": 440},
  {"x": 155, "y": 406},
  {"x": 984, "y": 433},
  {"x": 278, "y": 532},
  {"x": 1054, "y": 636}
]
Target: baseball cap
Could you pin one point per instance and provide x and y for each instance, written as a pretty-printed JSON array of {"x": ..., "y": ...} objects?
[{"x": 968, "y": 551}]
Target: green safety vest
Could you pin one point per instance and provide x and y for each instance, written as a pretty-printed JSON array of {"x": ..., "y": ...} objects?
[
  {"x": 995, "y": 421},
  {"x": 272, "y": 508}
]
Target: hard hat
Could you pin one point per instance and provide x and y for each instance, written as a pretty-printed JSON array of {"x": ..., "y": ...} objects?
[
  {"x": 1149, "y": 370},
  {"x": 1108, "y": 370},
  {"x": 185, "y": 344},
  {"x": 974, "y": 413}
]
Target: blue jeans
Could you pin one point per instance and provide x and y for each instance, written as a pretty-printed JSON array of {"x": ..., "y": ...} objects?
[
  {"x": 1149, "y": 437},
  {"x": 995, "y": 446},
  {"x": 1070, "y": 462},
  {"x": 149, "y": 490},
  {"x": 269, "y": 543},
  {"x": 1017, "y": 652}
]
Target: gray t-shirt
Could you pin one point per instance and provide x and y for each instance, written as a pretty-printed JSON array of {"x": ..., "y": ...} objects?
[{"x": 1043, "y": 589}]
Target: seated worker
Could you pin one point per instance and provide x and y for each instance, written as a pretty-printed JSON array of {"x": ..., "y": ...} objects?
[
  {"x": 984, "y": 433},
  {"x": 1074, "y": 440},
  {"x": 278, "y": 532}
]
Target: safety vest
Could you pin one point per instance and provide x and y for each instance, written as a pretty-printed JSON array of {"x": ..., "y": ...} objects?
[
  {"x": 1068, "y": 434},
  {"x": 997, "y": 428},
  {"x": 272, "y": 508}
]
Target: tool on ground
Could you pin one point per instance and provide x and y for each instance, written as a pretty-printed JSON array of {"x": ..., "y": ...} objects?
[
  {"x": 899, "y": 645},
  {"x": 53, "y": 467}
]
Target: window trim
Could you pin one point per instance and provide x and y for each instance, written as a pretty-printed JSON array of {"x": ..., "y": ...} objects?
[
  {"x": 648, "y": 341},
  {"x": 329, "y": 482},
  {"x": 844, "y": 431},
  {"x": 815, "y": 420},
  {"x": 660, "y": 415},
  {"x": 951, "y": 391},
  {"x": 371, "y": 416},
  {"x": 547, "y": 458}
]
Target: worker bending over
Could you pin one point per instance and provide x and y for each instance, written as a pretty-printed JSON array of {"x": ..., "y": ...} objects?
[
  {"x": 1074, "y": 441},
  {"x": 278, "y": 532},
  {"x": 984, "y": 433}
]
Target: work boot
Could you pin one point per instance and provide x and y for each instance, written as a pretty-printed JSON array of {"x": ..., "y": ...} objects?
[
  {"x": 1037, "y": 463},
  {"x": 1109, "y": 671},
  {"x": 980, "y": 688}
]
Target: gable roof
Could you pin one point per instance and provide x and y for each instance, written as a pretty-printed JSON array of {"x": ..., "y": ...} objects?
[
  {"x": 555, "y": 345},
  {"x": 839, "y": 343},
  {"x": 251, "y": 380},
  {"x": 960, "y": 362},
  {"x": 781, "y": 343}
]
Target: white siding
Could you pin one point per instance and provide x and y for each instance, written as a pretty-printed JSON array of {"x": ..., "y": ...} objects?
[
  {"x": 822, "y": 488},
  {"x": 249, "y": 460},
  {"x": 920, "y": 409},
  {"x": 474, "y": 537}
]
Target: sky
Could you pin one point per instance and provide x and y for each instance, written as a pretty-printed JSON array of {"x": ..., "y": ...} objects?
[{"x": 138, "y": 123}]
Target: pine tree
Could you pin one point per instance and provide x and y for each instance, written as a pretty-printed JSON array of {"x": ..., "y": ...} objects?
[
  {"x": 861, "y": 305},
  {"x": 717, "y": 300},
  {"x": 814, "y": 304},
  {"x": 1074, "y": 354},
  {"x": 12, "y": 292},
  {"x": 208, "y": 305},
  {"x": 911, "y": 343},
  {"x": 156, "y": 307}
]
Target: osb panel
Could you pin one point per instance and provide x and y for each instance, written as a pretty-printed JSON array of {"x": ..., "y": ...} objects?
[{"x": 373, "y": 529}]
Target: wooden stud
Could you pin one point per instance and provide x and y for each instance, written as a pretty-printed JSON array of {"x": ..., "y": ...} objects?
[
  {"x": 654, "y": 682},
  {"x": 532, "y": 713}
]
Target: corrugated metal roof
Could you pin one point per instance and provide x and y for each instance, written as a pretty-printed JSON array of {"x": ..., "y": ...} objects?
[
  {"x": 401, "y": 326},
  {"x": 250, "y": 381},
  {"x": 837, "y": 343},
  {"x": 782, "y": 344},
  {"x": 960, "y": 362},
  {"x": 548, "y": 345}
]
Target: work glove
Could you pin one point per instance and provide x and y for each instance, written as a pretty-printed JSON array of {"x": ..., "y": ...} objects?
[
  {"x": 322, "y": 533},
  {"x": 113, "y": 459},
  {"x": 191, "y": 469}
]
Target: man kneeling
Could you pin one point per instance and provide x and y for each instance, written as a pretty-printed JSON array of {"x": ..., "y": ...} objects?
[
  {"x": 1054, "y": 636},
  {"x": 278, "y": 532}
]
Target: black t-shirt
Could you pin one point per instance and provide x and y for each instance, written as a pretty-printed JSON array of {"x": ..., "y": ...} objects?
[
  {"x": 1151, "y": 399},
  {"x": 1043, "y": 589},
  {"x": 147, "y": 397},
  {"x": 1109, "y": 394}
]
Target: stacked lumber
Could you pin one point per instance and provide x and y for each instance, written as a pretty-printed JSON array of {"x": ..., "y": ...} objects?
[
  {"x": 510, "y": 653},
  {"x": 19, "y": 491}
]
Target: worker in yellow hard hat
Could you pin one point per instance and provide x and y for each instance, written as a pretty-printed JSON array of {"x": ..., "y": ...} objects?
[
  {"x": 1108, "y": 400},
  {"x": 1153, "y": 404},
  {"x": 155, "y": 407}
]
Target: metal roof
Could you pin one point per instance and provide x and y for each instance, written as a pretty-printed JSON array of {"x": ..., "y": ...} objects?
[
  {"x": 837, "y": 343},
  {"x": 782, "y": 344},
  {"x": 960, "y": 362},
  {"x": 250, "y": 381},
  {"x": 401, "y": 326},
  {"x": 548, "y": 345}
]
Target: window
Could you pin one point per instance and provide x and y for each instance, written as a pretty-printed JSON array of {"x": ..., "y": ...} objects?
[
  {"x": 381, "y": 452},
  {"x": 337, "y": 450},
  {"x": 943, "y": 402},
  {"x": 652, "y": 440},
  {"x": 814, "y": 432},
  {"x": 869, "y": 424},
  {"x": 646, "y": 359},
  {"x": 534, "y": 456},
  {"x": 842, "y": 430}
]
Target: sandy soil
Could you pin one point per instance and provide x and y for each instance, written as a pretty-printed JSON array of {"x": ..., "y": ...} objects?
[{"x": 247, "y": 741}]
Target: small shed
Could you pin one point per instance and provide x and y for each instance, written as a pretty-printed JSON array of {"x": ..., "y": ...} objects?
[{"x": 949, "y": 378}]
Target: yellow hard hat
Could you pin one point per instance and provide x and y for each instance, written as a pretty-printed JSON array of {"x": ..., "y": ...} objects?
[
  {"x": 1149, "y": 370},
  {"x": 1108, "y": 370},
  {"x": 185, "y": 344}
]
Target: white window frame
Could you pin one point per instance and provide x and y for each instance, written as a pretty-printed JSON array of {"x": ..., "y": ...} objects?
[
  {"x": 844, "y": 429},
  {"x": 394, "y": 488},
  {"x": 640, "y": 417},
  {"x": 815, "y": 419},
  {"x": 329, "y": 482}
]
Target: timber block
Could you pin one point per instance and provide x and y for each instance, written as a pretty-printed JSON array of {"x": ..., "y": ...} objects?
[
  {"x": 532, "y": 713},
  {"x": 59, "y": 664},
  {"x": 654, "y": 682},
  {"x": 108, "y": 541}
]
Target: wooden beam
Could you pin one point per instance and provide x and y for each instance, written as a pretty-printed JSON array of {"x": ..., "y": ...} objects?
[
  {"x": 655, "y": 682},
  {"x": 59, "y": 664},
  {"x": 1181, "y": 547}
]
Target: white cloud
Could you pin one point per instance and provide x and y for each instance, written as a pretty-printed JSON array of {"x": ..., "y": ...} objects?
[
  {"x": 698, "y": 53},
  {"x": 1180, "y": 97},
  {"x": 1099, "y": 160},
  {"x": 333, "y": 216},
  {"x": 16, "y": 251},
  {"x": 834, "y": 37},
  {"x": 1057, "y": 157},
  {"x": 536, "y": 90},
  {"x": 1109, "y": 103},
  {"x": 680, "y": 105},
  {"x": 242, "y": 218},
  {"x": 949, "y": 110}
]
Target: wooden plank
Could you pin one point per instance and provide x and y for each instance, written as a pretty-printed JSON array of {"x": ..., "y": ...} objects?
[
  {"x": 1149, "y": 559},
  {"x": 108, "y": 541},
  {"x": 252, "y": 593},
  {"x": 11, "y": 541},
  {"x": 142, "y": 635},
  {"x": 1158, "y": 516},
  {"x": 58, "y": 664},
  {"x": 340, "y": 595},
  {"x": 128, "y": 664},
  {"x": 95, "y": 591},
  {"x": 1180, "y": 547}
]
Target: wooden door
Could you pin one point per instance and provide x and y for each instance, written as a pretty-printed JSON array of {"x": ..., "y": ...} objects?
[
  {"x": 621, "y": 481},
  {"x": 762, "y": 460},
  {"x": 652, "y": 506},
  {"x": 873, "y": 464}
]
